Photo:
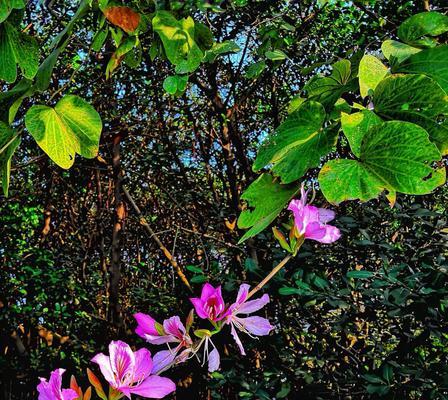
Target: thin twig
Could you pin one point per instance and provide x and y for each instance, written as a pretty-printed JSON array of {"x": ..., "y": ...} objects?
[{"x": 154, "y": 235}]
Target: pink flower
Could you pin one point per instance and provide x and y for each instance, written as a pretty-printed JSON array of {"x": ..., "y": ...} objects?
[
  {"x": 172, "y": 330},
  {"x": 52, "y": 390},
  {"x": 130, "y": 372},
  {"x": 211, "y": 304},
  {"x": 311, "y": 222},
  {"x": 255, "y": 325}
]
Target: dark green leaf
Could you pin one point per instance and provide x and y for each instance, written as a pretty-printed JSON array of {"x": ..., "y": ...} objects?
[{"x": 266, "y": 199}]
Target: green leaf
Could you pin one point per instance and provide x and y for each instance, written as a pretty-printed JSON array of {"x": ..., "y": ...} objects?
[
  {"x": 99, "y": 39},
  {"x": 6, "y": 6},
  {"x": 203, "y": 36},
  {"x": 72, "y": 127},
  {"x": 429, "y": 23},
  {"x": 219, "y": 49},
  {"x": 359, "y": 274},
  {"x": 417, "y": 99},
  {"x": 266, "y": 199},
  {"x": 371, "y": 72},
  {"x": 288, "y": 291},
  {"x": 295, "y": 103},
  {"x": 199, "y": 279},
  {"x": 326, "y": 90},
  {"x": 431, "y": 62},
  {"x": 394, "y": 156},
  {"x": 9, "y": 141},
  {"x": 178, "y": 41},
  {"x": 254, "y": 70},
  {"x": 356, "y": 125},
  {"x": 401, "y": 51},
  {"x": 275, "y": 55},
  {"x": 125, "y": 47},
  {"x": 17, "y": 48},
  {"x": 11, "y": 100},
  {"x": 176, "y": 84},
  {"x": 194, "y": 269},
  {"x": 298, "y": 143}
]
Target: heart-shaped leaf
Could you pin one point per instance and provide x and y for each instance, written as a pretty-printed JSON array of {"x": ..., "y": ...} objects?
[
  {"x": 327, "y": 90},
  {"x": 72, "y": 127},
  {"x": 417, "y": 99},
  {"x": 371, "y": 72},
  {"x": 429, "y": 23},
  {"x": 298, "y": 144},
  {"x": 394, "y": 156},
  {"x": 178, "y": 41},
  {"x": 431, "y": 62}
]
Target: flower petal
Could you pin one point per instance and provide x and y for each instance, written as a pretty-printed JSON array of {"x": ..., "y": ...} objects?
[
  {"x": 331, "y": 234},
  {"x": 146, "y": 325},
  {"x": 199, "y": 307},
  {"x": 207, "y": 291},
  {"x": 69, "y": 394},
  {"x": 257, "y": 326},
  {"x": 237, "y": 339},
  {"x": 122, "y": 359},
  {"x": 296, "y": 207},
  {"x": 214, "y": 360},
  {"x": 326, "y": 215},
  {"x": 56, "y": 380},
  {"x": 162, "y": 359},
  {"x": 174, "y": 326},
  {"x": 242, "y": 293},
  {"x": 143, "y": 364},
  {"x": 154, "y": 387},
  {"x": 253, "y": 305},
  {"x": 104, "y": 363},
  {"x": 315, "y": 231},
  {"x": 160, "y": 339}
]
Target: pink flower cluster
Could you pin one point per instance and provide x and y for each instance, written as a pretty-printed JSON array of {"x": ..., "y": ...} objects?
[
  {"x": 128, "y": 372},
  {"x": 209, "y": 306},
  {"x": 137, "y": 373}
]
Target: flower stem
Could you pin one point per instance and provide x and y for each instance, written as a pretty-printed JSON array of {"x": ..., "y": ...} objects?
[{"x": 277, "y": 268}]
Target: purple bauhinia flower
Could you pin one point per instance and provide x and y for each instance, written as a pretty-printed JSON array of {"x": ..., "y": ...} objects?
[
  {"x": 130, "y": 372},
  {"x": 172, "y": 330},
  {"x": 311, "y": 222},
  {"x": 51, "y": 390},
  {"x": 211, "y": 304},
  {"x": 255, "y": 325}
]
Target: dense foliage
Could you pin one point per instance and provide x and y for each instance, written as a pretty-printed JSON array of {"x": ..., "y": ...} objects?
[{"x": 132, "y": 136}]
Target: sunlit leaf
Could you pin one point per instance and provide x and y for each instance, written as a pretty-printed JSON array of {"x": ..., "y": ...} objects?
[
  {"x": 356, "y": 125},
  {"x": 71, "y": 127},
  {"x": 371, "y": 72},
  {"x": 401, "y": 51}
]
